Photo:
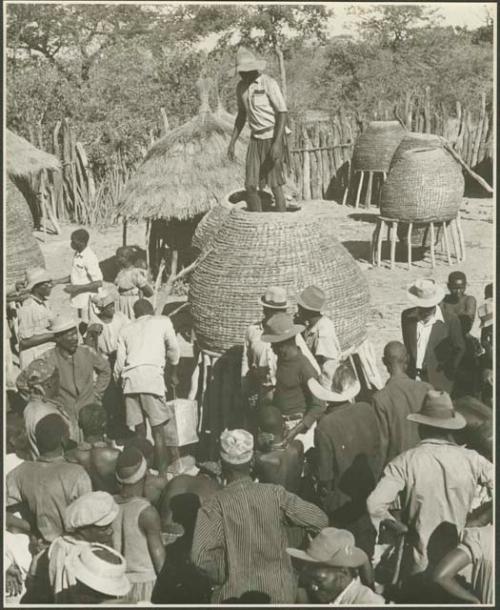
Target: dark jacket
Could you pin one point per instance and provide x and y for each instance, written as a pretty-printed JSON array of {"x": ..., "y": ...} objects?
[{"x": 444, "y": 352}]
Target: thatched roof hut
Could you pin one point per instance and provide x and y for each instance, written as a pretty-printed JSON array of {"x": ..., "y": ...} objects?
[{"x": 24, "y": 161}]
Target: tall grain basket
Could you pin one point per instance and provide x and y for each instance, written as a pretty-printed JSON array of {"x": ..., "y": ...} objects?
[
  {"x": 252, "y": 251},
  {"x": 376, "y": 145},
  {"x": 209, "y": 226},
  {"x": 424, "y": 184},
  {"x": 22, "y": 249}
]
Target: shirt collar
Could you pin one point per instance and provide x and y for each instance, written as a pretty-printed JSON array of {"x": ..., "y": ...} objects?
[
  {"x": 82, "y": 253},
  {"x": 437, "y": 316},
  {"x": 437, "y": 441},
  {"x": 340, "y": 598},
  {"x": 57, "y": 458},
  {"x": 37, "y": 300}
]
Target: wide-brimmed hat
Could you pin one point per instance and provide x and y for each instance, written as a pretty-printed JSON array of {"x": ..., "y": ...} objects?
[
  {"x": 280, "y": 327},
  {"x": 322, "y": 388},
  {"x": 438, "y": 412},
  {"x": 486, "y": 312},
  {"x": 332, "y": 547},
  {"x": 97, "y": 573},
  {"x": 37, "y": 275},
  {"x": 236, "y": 446},
  {"x": 274, "y": 298},
  {"x": 312, "y": 298},
  {"x": 101, "y": 301},
  {"x": 425, "y": 292},
  {"x": 62, "y": 323},
  {"x": 246, "y": 61}
]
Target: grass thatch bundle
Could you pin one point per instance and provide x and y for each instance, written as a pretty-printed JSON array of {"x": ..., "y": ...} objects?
[
  {"x": 187, "y": 172},
  {"x": 24, "y": 159}
]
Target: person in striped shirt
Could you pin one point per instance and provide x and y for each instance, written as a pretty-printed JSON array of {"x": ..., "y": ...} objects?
[{"x": 240, "y": 537}]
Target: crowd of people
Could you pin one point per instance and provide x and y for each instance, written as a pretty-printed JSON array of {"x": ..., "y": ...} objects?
[{"x": 331, "y": 491}]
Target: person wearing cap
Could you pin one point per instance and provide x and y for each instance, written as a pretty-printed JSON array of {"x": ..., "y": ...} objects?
[
  {"x": 292, "y": 395},
  {"x": 34, "y": 317},
  {"x": 319, "y": 334},
  {"x": 77, "y": 366},
  {"x": 137, "y": 528},
  {"x": 240, "y": 536},
  {"x": 434, "y": 342},
  {"x": 400, "y": 397},
  {"x": 456, "y": 302},
  {"x": 436, "y": 482},
  {"x": 347, "y": 442},
  {"x": 145, "y": 347},
  {"x": 260, "y": 101},
  {"x": 330, "y": 567},
  {"x": 131, "y": 282},
  {"x": 39, "y": 383},
  {"x": 45, "y": 487},
  {"x": 258, "y": 368}
]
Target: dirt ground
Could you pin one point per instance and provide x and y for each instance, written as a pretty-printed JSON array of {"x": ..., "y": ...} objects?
[{"x": 355, "y": 229}]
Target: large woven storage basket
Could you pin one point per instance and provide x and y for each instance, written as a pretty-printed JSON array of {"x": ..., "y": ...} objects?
[
  {"x": 375, "y": 146},
  {"x": 22, "y": 249},
  {"x": 424, "y": 183},
  {"x": 252, "y": 251},
  {"x": 209, "y": 226}
]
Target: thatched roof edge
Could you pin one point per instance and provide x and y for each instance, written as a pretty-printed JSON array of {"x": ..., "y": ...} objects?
[{"x": 23, "y": 159}]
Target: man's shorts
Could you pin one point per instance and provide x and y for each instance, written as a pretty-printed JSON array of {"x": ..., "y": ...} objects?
[
  {"x": 260, "y": 170},
  {"x": 150, "y": 406}
]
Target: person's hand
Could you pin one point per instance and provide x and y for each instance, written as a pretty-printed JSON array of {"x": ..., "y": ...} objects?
[
  {"x": 275, "y": 152},
  {"x": 70, "y": 289},
  {"x": 395, "y": 526},
  {"x": 173, "y": 378},
  {"x": 230, "y": 152},
  {"x": 13, "y": 581}
]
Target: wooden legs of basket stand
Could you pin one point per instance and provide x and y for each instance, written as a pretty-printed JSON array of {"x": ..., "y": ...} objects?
[
  {"x": 455, "y": 232},
  {"x": 369, "y": 186}
]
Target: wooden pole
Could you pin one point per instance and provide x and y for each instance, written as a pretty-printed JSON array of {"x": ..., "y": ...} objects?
[
  {"x": 479, "y": 131},
  {"x": 476, "y": 177},
  {"x": 124, "y": 232}
]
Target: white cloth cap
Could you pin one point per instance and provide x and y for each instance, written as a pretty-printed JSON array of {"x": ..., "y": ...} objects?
[{"x": 236, "y": 446}]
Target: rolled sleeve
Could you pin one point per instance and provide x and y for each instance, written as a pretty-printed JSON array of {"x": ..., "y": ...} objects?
[
  {"x": 274, "y": 94},
  {"x": 382, "y": 497},
  {"x": 300, "y": 512}
]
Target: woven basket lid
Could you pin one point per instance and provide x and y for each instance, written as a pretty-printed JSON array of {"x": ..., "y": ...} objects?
[
  {"x": 22, "y": 249},
  {"x": 252, "y": 251},
  {"x": 424, "y": 183},
  {"x": 375, "y": 146}
]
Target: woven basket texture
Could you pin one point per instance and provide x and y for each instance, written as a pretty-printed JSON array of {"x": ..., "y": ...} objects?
[
  {"x": 22, "y": 249},
  {"x": 208, "y": 227},
  {"x": 375, "y": 146},
  {"x": 424, "y": 184},
  {"x": 252, "y": 251}
]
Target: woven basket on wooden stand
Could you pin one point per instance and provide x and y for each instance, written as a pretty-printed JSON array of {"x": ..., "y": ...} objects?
[
  {"x": 22, "y": 249},
  {"x": 375, "y": 146}
]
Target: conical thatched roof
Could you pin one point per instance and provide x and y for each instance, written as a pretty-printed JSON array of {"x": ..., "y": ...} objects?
[
  {"x": 24, "y": 159},
  {"x": 187, "y": 172}
]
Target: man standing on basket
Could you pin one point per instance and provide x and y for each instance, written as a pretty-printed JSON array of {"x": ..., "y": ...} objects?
[{"x": 261, "y": 101}]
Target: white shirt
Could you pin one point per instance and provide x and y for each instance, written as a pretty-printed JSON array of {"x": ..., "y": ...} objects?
[
  {"x": 143, "y": 348},
  {"x": 107, "y": 341},
  {"x": 85, "y": 269},
  {"x": 423, "y": 334},
  {"x": 261, "y": 100},
  {"x": 321, "y": 339}
]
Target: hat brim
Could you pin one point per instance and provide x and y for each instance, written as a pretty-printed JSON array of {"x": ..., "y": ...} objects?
[
  {"x": 355, "y": 559},
  {"x": 63, "y": 328},
  {"x": 251, "y": 66},
  {"x": 329, "y": 395},
  {"x": 42, "y": 280},
  {"x": 297, "y": 328},
  {"x": 304, "y": 305},
  {"x": 431, "y": 302},
  {"x": 450, "y": 423},
  {"x": 102, "y": 584},
  {"x": 271, "y": 306}
]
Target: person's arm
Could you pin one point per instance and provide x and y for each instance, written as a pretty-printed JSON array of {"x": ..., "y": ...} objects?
[
  {"x": 239, "y": 123},
  {"x": 149, "y": 522},
  {"x": 103, "y": 372},
  {"x": 16, "y": 524},
  {"x": 207, "y": 551},
  {"x": 26, "y": 331},
  {"x": 383, "y": 426},
  {"x": 62, "y": 280},
  {"x": 448, "y": 568},
  {"x": 457, "y": 339},
  {"x": 302, "y": 513},
  {"x": 120, "y": 358},
  {"x": 387, "y": 490},
  {"x": 140, "y": 280},
  {"x": 35, "y": 340},
  {"x": 276, "y": 151},
  {"x": 74, "y": 289},
  {"x": 470, "y": 307},
  {"x": 173, "y": 351},
  {"x": 481, "y": 516},
  {"x": 94, "y": 274}
]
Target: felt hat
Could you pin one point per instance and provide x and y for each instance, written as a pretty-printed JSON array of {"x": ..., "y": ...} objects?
[
  {"x": 62, "y": 323},
  {"x": 332, "y": 547},
  {"x": 312, "y": 298},
  {"x": 438, "y": 412},
  {"x": 425, "y": 292},
  {"x": 93, "y": 508},
  {"x": 322, "y": 389},
  {"x": 280, "y": 327},
  {"x": 274, "y": 298},
  {"x": 486, "y": 312},
  {"x": 35, "y": 276},
  {"x": 236, "y": 446},
  {"x": 91, "y": 569},
  {"x": 246, "y": 61}
]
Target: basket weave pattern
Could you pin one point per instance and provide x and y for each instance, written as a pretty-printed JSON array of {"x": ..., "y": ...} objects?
[
  {"x": 375, "y": 146},
  {"x": 424, "y": 184},
  {"x": 252, "y": 251},
  {"x": 22, "y": 249},
  {"x": 208, "y": 226}
]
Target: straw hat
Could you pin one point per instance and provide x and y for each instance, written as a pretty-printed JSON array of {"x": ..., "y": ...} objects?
[
  {"x": 438, "y": 412},
  {"x": 332, "y": 547},
  {"x": 246, "y": 61},
  {"x": 62, "y": 323},
  {"x": 322, "y": 389},
  {"x": 274, "y": 298},
  {"x": 99, "y": 574},
  {"x": 35, "y": 276},
  {"x": 280, "y": 328},
  {"x": 312, "y": 298},
  {"x": 486, "y": 312},
  {"x": 425, "y": 292}
]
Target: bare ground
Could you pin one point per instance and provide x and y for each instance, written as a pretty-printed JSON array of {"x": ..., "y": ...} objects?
[{"x": 354, "y": 228}]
